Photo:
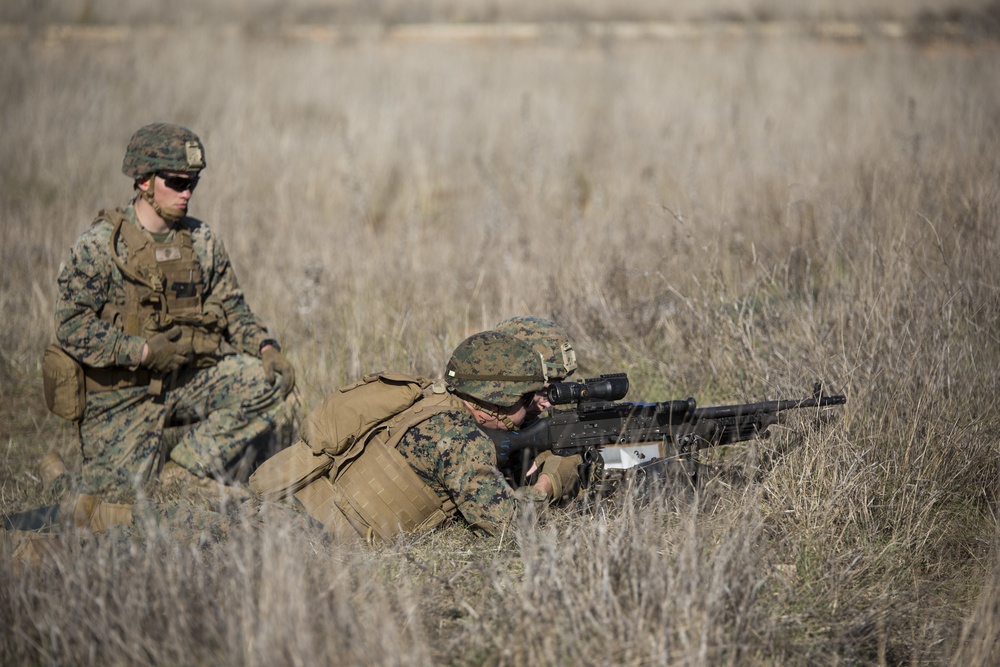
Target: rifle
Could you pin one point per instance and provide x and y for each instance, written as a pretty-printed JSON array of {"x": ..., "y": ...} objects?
[{"x": 677, "y": 429}]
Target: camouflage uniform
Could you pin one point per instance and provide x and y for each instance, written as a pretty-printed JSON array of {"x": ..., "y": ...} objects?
[
  {"x": 455, "y": 458},
  {"x": 231, "y": 401}
]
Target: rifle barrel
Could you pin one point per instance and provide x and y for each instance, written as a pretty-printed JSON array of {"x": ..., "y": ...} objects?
[{"x": 722, "y": 411}]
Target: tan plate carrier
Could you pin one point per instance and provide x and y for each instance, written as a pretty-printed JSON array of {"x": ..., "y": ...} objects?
[{"x": 346, "y": 471}]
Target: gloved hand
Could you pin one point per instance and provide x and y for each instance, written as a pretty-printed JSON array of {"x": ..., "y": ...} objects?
[
  {"x": 275, "y": 362},
  {"x": 164, "y": 355},
  {"x": 563, "y": 472}
]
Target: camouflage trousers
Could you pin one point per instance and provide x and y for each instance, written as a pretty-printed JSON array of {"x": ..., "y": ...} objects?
[{"x": 231, "y": 406}]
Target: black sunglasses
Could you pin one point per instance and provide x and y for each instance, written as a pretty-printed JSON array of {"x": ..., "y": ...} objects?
[{"x": 179, "y": 183}]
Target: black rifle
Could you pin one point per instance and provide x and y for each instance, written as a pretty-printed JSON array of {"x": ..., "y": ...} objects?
[{"x": 679, "y": 427}]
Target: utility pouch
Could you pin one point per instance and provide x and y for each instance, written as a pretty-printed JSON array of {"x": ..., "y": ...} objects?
[
  {"x": 206, "y": 346},
  {"x": 63, "y": 383},
  {"x": 288, "y": 471},
  {"x": 388, "y": 496}
]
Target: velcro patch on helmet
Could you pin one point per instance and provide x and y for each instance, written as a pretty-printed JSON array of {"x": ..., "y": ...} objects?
[
  {"x": 569, "y": 357},
  {"x": 195, "y": 158}
]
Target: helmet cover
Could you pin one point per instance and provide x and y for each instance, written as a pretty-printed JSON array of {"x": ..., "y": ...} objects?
[
  {"x": 548, "y": 339},
  {"x": 494, "y": 367},
  {"x": 163, "y": 147}
]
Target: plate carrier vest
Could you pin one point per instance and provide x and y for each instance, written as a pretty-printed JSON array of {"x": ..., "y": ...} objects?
[
  {"x": 360, "y": 484},
  {"x": 163, "y": 288}
]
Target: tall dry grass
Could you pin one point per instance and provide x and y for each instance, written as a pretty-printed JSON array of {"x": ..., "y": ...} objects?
[{"x": 726, "y": 218}]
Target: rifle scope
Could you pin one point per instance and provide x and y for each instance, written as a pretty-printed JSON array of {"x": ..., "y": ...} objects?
[{"x": 608, "y": 387}]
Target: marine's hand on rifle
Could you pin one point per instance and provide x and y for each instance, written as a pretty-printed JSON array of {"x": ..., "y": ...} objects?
[
  {"x": 162, "y": 353},
  {"x": 275, "y": 362},
  {"x": 563, "y": 472}
]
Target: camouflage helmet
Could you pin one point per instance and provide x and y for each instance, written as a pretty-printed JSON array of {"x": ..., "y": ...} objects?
[
  {"x": 496, "y": 368},
  {"x": 163, "y": 147},
  {"x": 548, "y": 339}
]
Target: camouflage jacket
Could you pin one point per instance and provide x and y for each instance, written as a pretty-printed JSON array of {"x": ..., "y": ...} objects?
[
  {"x": 89, "y": 279},
  {"x": 458, "y": 460}
]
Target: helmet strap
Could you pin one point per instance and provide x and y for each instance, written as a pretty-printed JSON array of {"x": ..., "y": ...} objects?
[
  {"x": 500, "y": 417},
  {"x": 505, "y": 420},
  {"x": 489, "y": 410},
  {"x": 170, "y": 215}
]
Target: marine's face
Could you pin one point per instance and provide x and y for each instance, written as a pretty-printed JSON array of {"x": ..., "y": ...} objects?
[
  {"x": 516, "y": 413},
  {"x": 173, "y": 191}
]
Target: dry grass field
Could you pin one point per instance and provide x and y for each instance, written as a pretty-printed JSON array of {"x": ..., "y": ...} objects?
[{"x": 730, "y": 217}]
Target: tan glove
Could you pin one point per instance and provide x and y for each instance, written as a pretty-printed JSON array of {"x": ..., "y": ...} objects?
[
  {"x": 164, "y": 355},
  {"x": 275, "y": 362},
  {"x": 563, "y": 472}
]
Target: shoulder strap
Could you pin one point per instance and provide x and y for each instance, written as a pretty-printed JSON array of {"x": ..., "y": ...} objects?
[
  {"x": 184, "y": 234},
  {"x": 433, "y": 403},
  {"x": 343, "y": 421},
  {"x": 133, "y": 237}
]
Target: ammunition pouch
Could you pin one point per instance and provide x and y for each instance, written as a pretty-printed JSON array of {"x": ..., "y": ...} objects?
[
  {"x": 63, "y": 383},
  {"x": 205, "y": 344},
  {"x": 109, "y": 379}
]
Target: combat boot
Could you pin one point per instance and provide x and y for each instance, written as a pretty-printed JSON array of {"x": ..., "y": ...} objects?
[
  {"x": 93, "y": 514},
  {"x": 28, "y": 549}
]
